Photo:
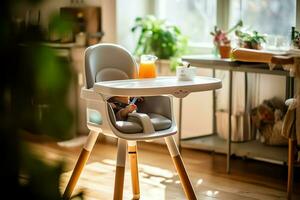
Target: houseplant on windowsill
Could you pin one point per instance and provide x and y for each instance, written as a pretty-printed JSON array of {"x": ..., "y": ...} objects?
[
  {"x": 221, "y": 41},
  {"x": 250, "y": 40},
  {"x": 159, "y": 38}
]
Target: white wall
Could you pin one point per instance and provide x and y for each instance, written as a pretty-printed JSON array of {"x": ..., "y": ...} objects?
[
  {"x": 196, "y": 107},
  {"x": 197, "y": 112},
  {"x": 127, "y": 11}
]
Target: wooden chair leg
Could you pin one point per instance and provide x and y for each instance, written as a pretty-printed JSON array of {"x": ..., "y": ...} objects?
[
  {"x": 291, "y": 154},
  {"x": 132, "y": 152},
  {"x": 120, "y": 169},
  {"x": 179, "y": 165},
  {"x": 83, "y": 157}
]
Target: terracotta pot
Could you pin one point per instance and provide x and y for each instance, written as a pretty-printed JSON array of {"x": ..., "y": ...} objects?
[
  {"x": 251, "y": 45},
  {"x": 256, "y": 46},
  {"x": 225, "y": 51}
]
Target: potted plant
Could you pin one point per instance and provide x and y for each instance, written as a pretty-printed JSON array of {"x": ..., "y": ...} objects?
[
  {"x": 250, "y": 40},
  {"x": 159, "y": 38},
  {"x": 221, "y": 41}
]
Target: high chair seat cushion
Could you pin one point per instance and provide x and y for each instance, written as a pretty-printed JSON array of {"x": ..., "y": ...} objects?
[
  {"x": 129, "y": 126},
  {"x": 133, "y": 125},
  {"x": 159, "y": 122}
]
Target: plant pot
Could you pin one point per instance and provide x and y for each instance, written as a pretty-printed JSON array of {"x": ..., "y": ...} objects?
[
  {"x": 256, "y": 46},
  {"x": 224, "y": 51},
  {"x": 251, "y": 45}
]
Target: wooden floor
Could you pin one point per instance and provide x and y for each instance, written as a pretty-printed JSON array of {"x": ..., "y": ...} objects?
[{"x": 249, "y": 179}]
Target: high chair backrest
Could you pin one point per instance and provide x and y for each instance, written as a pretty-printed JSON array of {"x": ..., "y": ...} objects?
[{"x": 107, "y": 61}]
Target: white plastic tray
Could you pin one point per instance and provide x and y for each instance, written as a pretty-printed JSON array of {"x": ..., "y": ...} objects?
[{"x": 164, "y": 85}]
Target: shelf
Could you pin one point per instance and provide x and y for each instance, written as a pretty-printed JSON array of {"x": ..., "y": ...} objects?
[
  {"x": 252, "y": 149},
  {"x": 208, "y": 61},
  {"x": 256, "y": 150}
]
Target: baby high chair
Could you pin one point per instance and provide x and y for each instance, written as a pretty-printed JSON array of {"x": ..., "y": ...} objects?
[{"x": 154, "y": 119}]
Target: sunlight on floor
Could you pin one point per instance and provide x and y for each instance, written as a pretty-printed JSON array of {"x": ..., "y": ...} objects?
[
  {"x": 157, "y": 183},
  {"x": 200, "y": 181},
  {"x": 211, "y": 193},
  {"x": 98, "y": 180}
]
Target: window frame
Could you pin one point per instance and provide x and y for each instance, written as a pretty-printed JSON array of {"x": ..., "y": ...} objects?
[{"x": 223, "y": 9}]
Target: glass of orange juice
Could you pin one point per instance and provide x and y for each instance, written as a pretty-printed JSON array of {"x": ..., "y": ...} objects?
[{"x": 147, "y": 67}]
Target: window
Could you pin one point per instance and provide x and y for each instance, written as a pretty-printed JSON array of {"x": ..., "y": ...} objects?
[
  {"x": 272, "y": 17},
  {"x": 196, "y": 18}
]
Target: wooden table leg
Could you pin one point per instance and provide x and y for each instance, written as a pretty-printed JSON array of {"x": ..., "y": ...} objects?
[
  {"x": 83, "y": 157},
  {"x": 120, "y": 169},
  {"x": 132, "y": 152},
  {"x": 179, "y": 165},
  {"x": 291, "y": 160}
]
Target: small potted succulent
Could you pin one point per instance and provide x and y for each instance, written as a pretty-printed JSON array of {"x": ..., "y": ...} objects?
[
  {"x": 250, "y": 40},
  {"x": 221, "y": 41}
]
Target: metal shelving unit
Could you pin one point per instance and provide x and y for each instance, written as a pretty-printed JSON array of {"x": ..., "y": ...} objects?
[{"x": 250, "y": 149}]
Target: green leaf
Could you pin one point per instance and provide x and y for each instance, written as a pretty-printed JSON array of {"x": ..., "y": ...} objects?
[{"x": 158, "y": 37}]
